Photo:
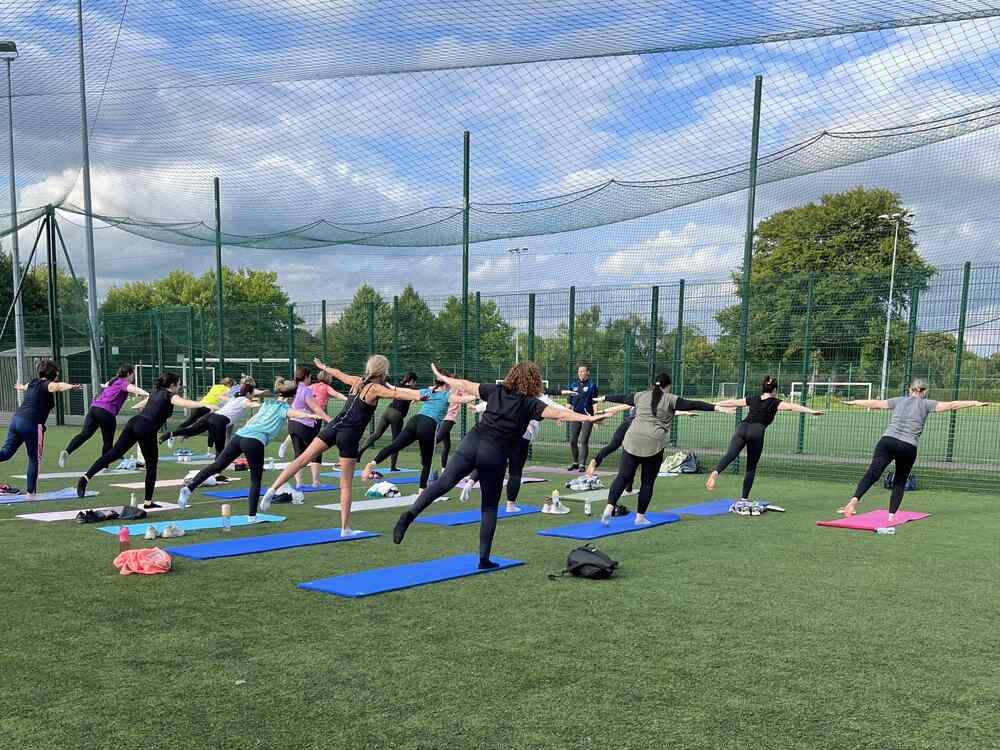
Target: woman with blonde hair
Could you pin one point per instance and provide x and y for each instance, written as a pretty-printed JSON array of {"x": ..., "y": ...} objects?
[
  {"x": 346, "y": 429},
  {"x": 510, "y": 406}
]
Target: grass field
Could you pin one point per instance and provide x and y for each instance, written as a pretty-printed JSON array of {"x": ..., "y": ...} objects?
[{"x": 716, "y": 633}]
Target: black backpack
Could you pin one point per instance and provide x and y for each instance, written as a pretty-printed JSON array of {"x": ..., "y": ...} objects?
[
  {"x": 588, "y": 562},
  {"x": 690, "y": 465},
  {"x": 911, "y": 482}
]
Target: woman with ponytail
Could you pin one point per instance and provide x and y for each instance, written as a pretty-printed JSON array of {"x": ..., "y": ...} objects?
[
  {"x": 647, "y": 436},
  {"x": 750, "y": 432},
  {"x": 346, "y": 429}
]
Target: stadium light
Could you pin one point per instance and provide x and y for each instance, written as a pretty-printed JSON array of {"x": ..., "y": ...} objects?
[
  {"x": 8, "y": 52},
  {"x": 896, "y": 218},
  {"x": 517, "y": 342}
]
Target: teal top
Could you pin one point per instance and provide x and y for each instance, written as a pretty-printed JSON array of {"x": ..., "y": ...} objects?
[
  {"x": 267, "y": 423},
  {"x": 435, "y": 403}
]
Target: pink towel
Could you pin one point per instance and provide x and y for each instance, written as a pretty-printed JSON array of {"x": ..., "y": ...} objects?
[{"x": 148, "y": 561}]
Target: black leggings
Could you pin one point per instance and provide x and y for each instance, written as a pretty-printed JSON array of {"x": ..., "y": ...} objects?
[
  {"x": 193, "y": 416},
  {"x": 302, "y": 436},
  {"x": 246, "y": 446},
  {"x": 579, "y": 441},
  {"x": 516, "y": 460},
  {"x": 420, "y": 428},
  {"x": 138, "y": 430},
  {"x": 616, "y": 442},
  {"x": 97, "y": 418},
  {"x": 627, "y": 468},
  {"x": 748, "y": 435},
  {"x": 444, "y": 437},
  {"x": 887, "y": 450},
  {"x": 475, "y": 452},
  {"x": 214, "y": 424},
  {"x": 390, "y": 419}
]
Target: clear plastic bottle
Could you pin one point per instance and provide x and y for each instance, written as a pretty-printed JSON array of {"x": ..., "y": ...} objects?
[
  {"x": 131, "y": 500},
  {"x": 886, "y": 530},
  {"x": 227, "y": 520},
  {"x": 586, "y": 507},
  {"x": 555, "y": 499}
]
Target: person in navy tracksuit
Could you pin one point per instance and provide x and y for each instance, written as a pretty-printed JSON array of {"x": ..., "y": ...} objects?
[{"x": 582, "y": 393}]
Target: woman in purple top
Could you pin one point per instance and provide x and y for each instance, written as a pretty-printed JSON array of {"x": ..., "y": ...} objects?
[
  {"x": 301, "y": 430},
  {"x": 103, "y": 412}
]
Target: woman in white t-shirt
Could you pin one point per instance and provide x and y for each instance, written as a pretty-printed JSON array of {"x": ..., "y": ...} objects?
[{"x": 232, "y": 411}]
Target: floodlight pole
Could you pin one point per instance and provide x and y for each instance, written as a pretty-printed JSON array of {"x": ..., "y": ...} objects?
[
  {"x": 15, "y": 250},
  {"x": 758, "y": 82},
  {"x": 465, "y": 263},
  {"x": 517, "y": 296},
  {"x": 888, "y": 308},
  {"x": 218, "y": 280},
  {"x": 88, "y": 218}
]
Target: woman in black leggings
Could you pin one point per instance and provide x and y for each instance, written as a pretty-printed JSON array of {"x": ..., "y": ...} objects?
[
  {"x": 749, "y": 433},
  {"x": 392, "y": 419},
  {"x": 645, "y": 439},
  {"x": 509, "y": 409},
  {"x": 103, "y": 412},
  {"x": 141, "y": 429},
  {"x": 899, "y": 442}
]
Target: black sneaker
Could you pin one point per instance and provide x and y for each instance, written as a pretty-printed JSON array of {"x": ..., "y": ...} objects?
[
  {"x": 81, "y": 486},
  {"x": 574, "y": 467},
  {"x": 164, "y": 437}
]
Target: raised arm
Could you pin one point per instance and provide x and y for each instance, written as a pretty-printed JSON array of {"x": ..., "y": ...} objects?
[
  {"x": 463, "y": 385},
  {"x": 465, "y": 398},
  {"x": 343, "y": 377},
  {"x": 58, "y": 387},
  {"x": 956, "y": 405},
  {"x": 187, "y": 403},
  {"x": 136, "y": 390},
  {"x": 684, "y": 404},
  {"x": 334, "y": 393},
  {"x": 391, "y": 391},
  {"x": 869, "y": 403},
  {"x": 786, "y": 406},
  {"x": 300, "y": 414}
]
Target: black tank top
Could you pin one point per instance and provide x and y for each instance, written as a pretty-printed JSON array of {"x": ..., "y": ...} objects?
[
  {"x": 159, "y": 408},
  {"x": 401, "y": 405},
  {"x": 357, "y": 412},
  {"x": 762, "y": 410},
  {"x": 37, "y": 402}
]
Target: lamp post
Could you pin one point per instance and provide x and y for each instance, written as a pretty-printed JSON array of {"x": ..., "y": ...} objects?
[
  {"x": 896, "y": 219},
  {"x": 517, "y": 342},
  {"x": 8, "y": 51}
]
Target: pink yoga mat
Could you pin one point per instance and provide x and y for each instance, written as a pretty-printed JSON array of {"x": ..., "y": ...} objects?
[
  {"x": 874, "y": 519},
  {"x": 557, "y": 470}
]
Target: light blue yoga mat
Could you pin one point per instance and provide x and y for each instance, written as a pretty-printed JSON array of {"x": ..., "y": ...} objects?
[
  {"x": 708, "y": 508},
  {"x": 473, "y": 515},
  {"x": 245, "y": 492},
  {"x": 384, "y": 472},
  {"x": 268, "y": 543},
  {"x": 380, "y": 580},
  {"x": 618, "y": 525},
  {"x": 193, "y": 457},
  {"x": 190, "y": 524},
  {"x": 67, "y": 494}
]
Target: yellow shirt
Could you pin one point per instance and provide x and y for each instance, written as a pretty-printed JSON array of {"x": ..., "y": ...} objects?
[{"x": 214, "y": 395}]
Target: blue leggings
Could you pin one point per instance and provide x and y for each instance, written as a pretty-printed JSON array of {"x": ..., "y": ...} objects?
[{"x": 33, "y": 437}]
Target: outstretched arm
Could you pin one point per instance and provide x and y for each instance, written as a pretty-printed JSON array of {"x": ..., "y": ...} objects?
[
  {"x": 786, "y": 406},
  {"x": 566, "y": 415},
  {"x": 187, "y": 403},
  {"x": 58, "y": 387},
  {"x": 20, "y": 387},
  {"x": 617, "y": 408},
  {"x": 343, "y": 377},
  {"x": 335, "y": 394},
  {"x": 463, "y": 385},
  {"x": 389, "y": 391},
  {"x": 956, "y": 405},
  {"x": 684, "y": 404},
  {"x": 869, "y": 403},
  {"x": 736, "y": 403},
  {"x": 136, "y": 390},
  {"x": 299, "y": 414},
  {"x": 465, "y": 398}
]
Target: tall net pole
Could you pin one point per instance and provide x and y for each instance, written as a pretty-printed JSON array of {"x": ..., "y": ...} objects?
[
  {"x": 465, "y": 263},
  {"x": 15, "y": 250},
  {"x": 218, "y": 280},
  {"x": 758, "y": 83}
]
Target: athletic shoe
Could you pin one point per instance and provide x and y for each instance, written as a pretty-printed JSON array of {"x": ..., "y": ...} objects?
[
  {"x": 254, "y": 519},
  {"x": 63, "y": 455},
  {"x": 150, "y": 504},
  {"x": 151, "y": 532},
  {"x": 298, "y": 497},
  {"x": 281, "y": 451},
  {"x": 630, "y": 491},
  {"x": 559, "y": 509},
  {"x": 512, "y": 509},
  {"x": 347, "y": 532},
  {"x": 81, "y": 486},
  {"x": 265, "y": 502},
  {"x": 466, "y": 493},
  {"x": 574, "y": 467},
  {"x": 399, "y": 530},
  {"x": 641, "y": 521},
  {"x": 164, "y": 437},
  {"x": 170, "y": 444},
  {"x": 609, "y": 510},
  {"x": 172, "y": 532},
  {"x": 184, "y": 496}
]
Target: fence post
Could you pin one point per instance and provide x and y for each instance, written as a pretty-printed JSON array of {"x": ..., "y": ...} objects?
[
  {"x": 479, "y": 334},
  {"x": 959, "y": 350},
  {"x": 326, "y": 348},
  {"x": 395, "y": 339},
  {"x": 571, "y": 344},
  {"x": 371, "y": 328},
  {"x": 158, "y": 320},
  {"x": 627, "y": 387},
  {"x": 911, "y": 340},
  {"x": 806, "y": 355},
  {"x": 291, "y": 338},
  {"x": 218, "y": 279},
  {"x": 50, "y": 247},
  {"x": 466, "y": 209},
  {"x": 654, "y": 330},
  {"x": 678, "y": 355},
  {"x": 531, "y": 327},
  {"x": 190, "y": 336}
]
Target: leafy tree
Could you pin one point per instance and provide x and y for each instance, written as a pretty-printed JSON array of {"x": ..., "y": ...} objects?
[
  {"x": 495, "y": 342},
  {"x": 349, "y": 334}
]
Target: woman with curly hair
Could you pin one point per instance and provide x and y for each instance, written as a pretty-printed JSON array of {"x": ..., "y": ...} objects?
[{"x": 509, "y": 408}]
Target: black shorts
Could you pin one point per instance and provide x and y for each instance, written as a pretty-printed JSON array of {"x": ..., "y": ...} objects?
[{"x": 346, "y": 439}]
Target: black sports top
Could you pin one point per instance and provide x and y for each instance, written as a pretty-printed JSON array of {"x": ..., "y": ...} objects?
[
  {"x": 356, "y": 414},
  {"x": 761, "y": 410},
  {"x": 37, "y": 402},
  {"x": 400, "y": 405},
  {"x": 159, "y": 408},
  {"x": 507, "y": 413}
]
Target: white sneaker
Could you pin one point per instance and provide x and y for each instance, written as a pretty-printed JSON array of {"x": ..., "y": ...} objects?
[
  {"x": 609, "y": 511},
  {"x": 298, "y": 497},
  {"x": 63, "y": 455},
  {"x": 281, "y": 451},
  {"x": 170, "y": 443},
  {"x": 466, "y": 493},
  {"x": 347, "y": 532},
  {"x": 265, "y": 502},
  {"x": 254, "y": 519},
  {"x": 172, "y": 532},
  {"x": 183, "y": 497},
  {"x": 559, "y": 509},
  {"x": 512, "y": 509},
  {"x": 150, "y": 532}
]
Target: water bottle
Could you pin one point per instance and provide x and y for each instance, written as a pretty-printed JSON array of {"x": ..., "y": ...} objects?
[
  {"x": 227, "y": 521},
  {"x": 886, "y": 530},
  {"x": 132, "y": 500},
  {"x": 586, "y": 507},
  {"x": 124, "y": 541},
  {"x": 555, "y": 498}
]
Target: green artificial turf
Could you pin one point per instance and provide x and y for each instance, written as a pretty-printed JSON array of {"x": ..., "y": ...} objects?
[{"x": 723, "y": 632}]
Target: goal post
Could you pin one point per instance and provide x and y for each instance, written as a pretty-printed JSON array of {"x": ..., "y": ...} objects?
[
  {"x": 827, "y": 388},
  {"x": 729, "y": 390}
]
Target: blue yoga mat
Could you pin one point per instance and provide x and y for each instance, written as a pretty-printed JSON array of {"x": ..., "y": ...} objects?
[
  {"x": 268, "y": 543},
  {"x": 67, "y": 494},
  {"x": 189, "y": 459},
  {"x": 357, "y": 472},
  {"x": 709, "y": 508},
  {"x": 380, "y": 580},
  {"x": 619, "y": 525},
  {"x": 189, "y": 524},
  {"x": 463, "y": 517},
  {"x": 245, "y": 492}
]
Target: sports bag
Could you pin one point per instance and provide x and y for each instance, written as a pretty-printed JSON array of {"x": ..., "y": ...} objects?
[
  {"x": 911, "y": 482},
  {"x": 588, "y": 562},
  {"x": 680, "y": 462}
]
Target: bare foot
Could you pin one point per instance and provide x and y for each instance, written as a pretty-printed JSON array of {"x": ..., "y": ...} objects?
[
  {"x": 366, "y": 473},
  {"x": 848, "y": 510},
  {"x": 592, "y": 467},
  {"x": 710, "y": 484}
]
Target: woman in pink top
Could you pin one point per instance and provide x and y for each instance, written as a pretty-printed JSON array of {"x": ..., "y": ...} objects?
[
  {"x": 322, "y": 391},
  {"x": 103, "y": 412},
  {"x": 444, "y": 429}
]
